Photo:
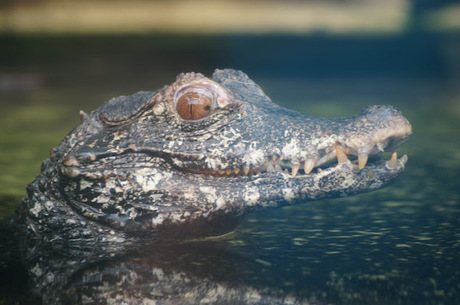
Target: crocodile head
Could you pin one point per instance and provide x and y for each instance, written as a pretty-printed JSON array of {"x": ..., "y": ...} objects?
[{"x": 193, "y": 157}]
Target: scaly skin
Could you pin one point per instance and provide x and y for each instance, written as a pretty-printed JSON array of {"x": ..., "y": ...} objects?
[{"x": 142, "y": 167}]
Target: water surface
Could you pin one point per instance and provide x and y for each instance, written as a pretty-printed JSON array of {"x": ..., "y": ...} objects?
[{"x": 399, "y": 245}]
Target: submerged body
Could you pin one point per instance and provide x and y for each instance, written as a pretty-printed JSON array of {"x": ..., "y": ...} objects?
[{"x": 192, "y": 158}]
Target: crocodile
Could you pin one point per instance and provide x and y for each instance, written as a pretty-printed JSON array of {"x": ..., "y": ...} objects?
[
  {"x": 193, "y": 158},
  {"x": 107, "y": 217}
]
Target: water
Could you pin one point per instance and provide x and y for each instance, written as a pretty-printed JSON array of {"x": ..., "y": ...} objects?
[{"x": 399, "y": 245}]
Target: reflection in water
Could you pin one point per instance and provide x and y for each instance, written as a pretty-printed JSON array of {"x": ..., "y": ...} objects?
[{"x": 188, "y": 273}]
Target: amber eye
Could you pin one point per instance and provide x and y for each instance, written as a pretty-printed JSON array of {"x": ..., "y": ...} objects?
[{"x": 194, "y": 106}]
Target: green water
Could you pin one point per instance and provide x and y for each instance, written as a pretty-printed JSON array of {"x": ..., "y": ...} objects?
[{"x": 399, "y": 245}]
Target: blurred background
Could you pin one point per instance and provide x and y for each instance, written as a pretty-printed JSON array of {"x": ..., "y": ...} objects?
[{"x": 327, "y": 58}]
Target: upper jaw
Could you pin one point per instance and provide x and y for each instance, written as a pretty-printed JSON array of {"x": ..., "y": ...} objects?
[{"x": 306, "y": 143}]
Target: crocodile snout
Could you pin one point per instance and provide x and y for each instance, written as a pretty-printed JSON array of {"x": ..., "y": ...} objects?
[{"x": 378, "y": 129}]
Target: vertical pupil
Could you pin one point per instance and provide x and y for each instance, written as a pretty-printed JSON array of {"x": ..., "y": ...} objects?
[{"x": 193, "y": 106}]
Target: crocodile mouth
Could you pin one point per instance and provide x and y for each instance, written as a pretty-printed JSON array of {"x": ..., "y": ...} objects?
[
  {"x": 337, "y": 157},
  {"x": 103, "y": 164}
]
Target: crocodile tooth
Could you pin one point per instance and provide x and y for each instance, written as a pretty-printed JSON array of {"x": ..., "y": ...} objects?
[
  {"x": 309, "y": 165},
  {"x": 362, "y": 160},
  {"x": 228, "y": 172},
  {"x": 274, "y": 159},
  {"x": 236, "y": 171},
  {"x": 83, "y": 115},
  {"x": 246, "y": 170},
  {"x": 403, "y": 159},
  {"x": 326, "y": 158},
  {"x": 295, "y": 168},
  {"x": 392, "y": 162},
  {"x": 341, "y": 156}
]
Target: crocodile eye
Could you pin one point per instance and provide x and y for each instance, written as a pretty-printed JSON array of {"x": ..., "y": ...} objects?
[{"x": 193, "y": 106}]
